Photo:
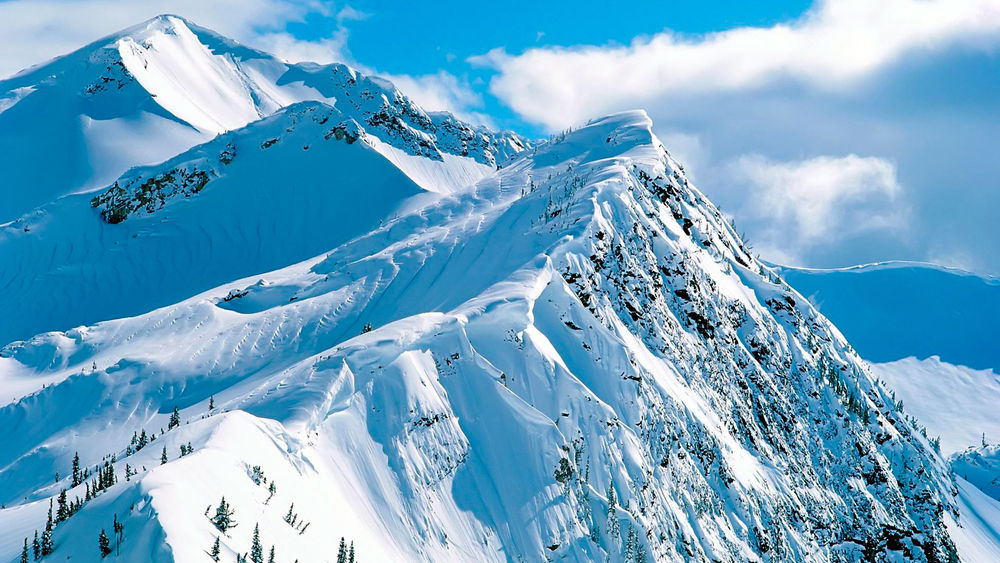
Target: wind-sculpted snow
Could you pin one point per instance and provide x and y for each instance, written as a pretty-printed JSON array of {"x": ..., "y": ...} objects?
[
  {"x": 576, "y": 359},
  {"x": 980, "y": 465},
  {"x": 276, "y": 192},
  {"x": 154, "y": 90}
]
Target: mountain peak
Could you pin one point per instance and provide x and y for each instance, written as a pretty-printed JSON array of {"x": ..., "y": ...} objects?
[
  {"x": 564, "y": 353},
  {"x": 160, "y": 87}
]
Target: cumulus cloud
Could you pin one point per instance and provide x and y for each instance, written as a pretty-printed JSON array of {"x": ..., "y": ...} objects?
[
  {"x": 794, "y": 206},
  {"x": 832, "y": 45},
  {"x": 443, "y": 91}
]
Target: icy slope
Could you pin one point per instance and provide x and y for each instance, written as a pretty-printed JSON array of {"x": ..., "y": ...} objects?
[
  {"x": 156, "y": 89},
  {"x": 276, "y": 192},
  {"x": 895, "y": 310},
  {"x": 958, "y": 404},
  {"x": 575, "y": 360}
]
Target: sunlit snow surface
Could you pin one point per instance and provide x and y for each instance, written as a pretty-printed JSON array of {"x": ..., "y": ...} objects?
[{"x": 436, "y": 341}]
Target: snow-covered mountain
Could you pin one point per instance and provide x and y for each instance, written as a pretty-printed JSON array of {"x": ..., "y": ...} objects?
[
  {"x": 151, "y": 91},
  {"x": 895, "y": 310},
  {"x": 347, "y": 331}
]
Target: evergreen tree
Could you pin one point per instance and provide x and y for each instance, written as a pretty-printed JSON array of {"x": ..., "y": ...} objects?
[
  {"x": 119, "y": 530},
  {"x": 630, "y": 544},
  {"x": 289, "y": 516},
  {"x": 24, "y": 552},
  {"x": 163, "y": 456},
  {"x": 614, "y": 529},
  {"x": 62, "y": 512},
  {"x": 216, "y": 549},
  {"x": 76, "y": 469},
  {"x": 350, "y": 554},
  {"x": 270, "y": 558},
  {"x": 211, "y": 403},
  {"x": 143, "y": 440},
  {"x": 47, "y": 546},
  {"x": 175, "y": 420},
  {"x": 109, "y": 476},
  {"x": 103, "y": 544},
  {"x": 36, "y": 547},
  {"x": 256, "y": 550},
  {"x": 342, "y": 552},
  {"x": 223, "y": 519}
]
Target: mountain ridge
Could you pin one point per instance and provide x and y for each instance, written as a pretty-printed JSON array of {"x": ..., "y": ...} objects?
[
  {"x": 158, "y": 88},
  {"x": 610, "y": 344},
  {"x": 570, "y": 357}
]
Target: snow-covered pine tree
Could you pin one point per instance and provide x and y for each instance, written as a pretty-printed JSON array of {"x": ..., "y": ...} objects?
[
  {"x": 48, "y": 546},
  {"x": 36, "y": 547},
  {"x": 223, "y": 519},
  {"x": 62, "y": 508},
  {"x": 211, "y": 403},
  {"x": 288, "y": 517},
  {"x": 256, "y": 550},
  {"x": 630, "y": 544},
  {"x": 350, "y": 554},
  {"x": 216, "y": 550},
  {"x": 119, "y": 530},
  {"x": 163, "y": 456},
  {"x": 76, "y": 469},
  {"x": 342, "y": 552},
  {"x": 614, "y": 529},
  {"x": 103, "y": 544},
  {"x": 175, "y": 419},
  {"x": 270, "y": 557},
  {"x": 24, "y": 552}
]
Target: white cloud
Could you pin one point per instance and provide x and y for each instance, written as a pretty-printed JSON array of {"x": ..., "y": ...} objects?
[
  {"x": 835, "y": 43},
  {"x": 795, "y": 206},
  {"x": 347, "y": 13},
  {"x": 290, "y": 48},
  {"x": 442, "y": 91}
]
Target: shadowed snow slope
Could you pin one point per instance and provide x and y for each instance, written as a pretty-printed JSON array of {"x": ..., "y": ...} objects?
[
  {"x": 575, "y": 359},
  {"x": 156, "y": 89},
  {"x": 895, "y": 310},
  {"x": 278, "y": 191}
]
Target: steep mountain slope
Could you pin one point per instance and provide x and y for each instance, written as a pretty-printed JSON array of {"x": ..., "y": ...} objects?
[
  {"x": 574, "y": 360},
  {"x": 980, "y": 466},
  {"x": 276, "y": 192},
  {"x": 958, "y": 404},
  {"x": 156, "y": 89},
  {"x": 895, "y": 310}
]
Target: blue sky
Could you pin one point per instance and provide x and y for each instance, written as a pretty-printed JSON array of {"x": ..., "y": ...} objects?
[
  {"x": 446, "y": 34},
  {"x": 833, "y": 132}
]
